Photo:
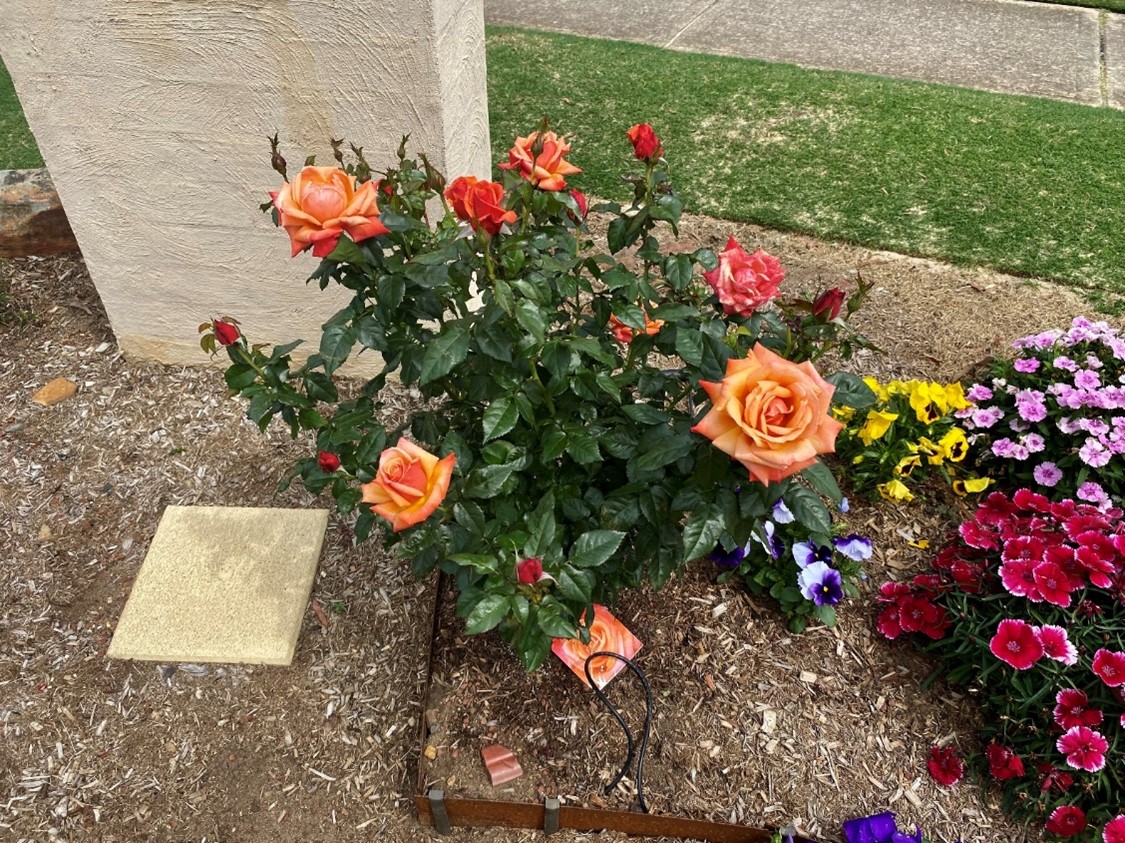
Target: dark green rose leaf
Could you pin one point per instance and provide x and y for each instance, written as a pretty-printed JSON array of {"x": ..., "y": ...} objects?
[
  {"x": 702, "y": 532},
  {"x": 595, "y": 547},
  {"x": 851, "y": 391},
  {"x": 446, "y": 351},
  {"x": 487, "y": 612},
  {"x": 500, "y": 417},
  {"x": 809, "y": 509}
]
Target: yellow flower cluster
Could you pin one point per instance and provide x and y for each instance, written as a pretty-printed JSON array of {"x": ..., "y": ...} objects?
[{"x": 910, "y": 427}]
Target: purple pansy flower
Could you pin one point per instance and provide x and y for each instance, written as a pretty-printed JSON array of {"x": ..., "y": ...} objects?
[
  {"x": 854, "y": 547},
  {"x": 727, "y": 558},
  {"x": 781, "y": 513},
  {"x": 879, "y": 828},
  {"x": 821, "y": 584},
  {"x": 807, "y": 552}
]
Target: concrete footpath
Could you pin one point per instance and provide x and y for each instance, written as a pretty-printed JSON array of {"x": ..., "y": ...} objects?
[{"x": 1008, "y": 46}]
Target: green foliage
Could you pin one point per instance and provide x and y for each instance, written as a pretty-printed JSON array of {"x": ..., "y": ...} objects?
[{"x": 573, "y": 446}]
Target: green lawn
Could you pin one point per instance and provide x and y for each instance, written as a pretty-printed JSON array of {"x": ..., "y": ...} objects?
[
  {"x": 1111, "y": 5},
  {"x": 1030, "y": 186},
  {"x": 17, "y": 147},
  {"x": 1026, "y": 185}
]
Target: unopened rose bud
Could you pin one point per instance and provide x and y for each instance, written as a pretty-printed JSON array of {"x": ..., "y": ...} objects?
[
  {"x": 529, "y": 571},
  {"x": 827, "y": 305},
  {"x": 580, "y": 200},
  {"x": 226, "y": 333},
  {"x": 646, "y": 144},
  {"x": 327, "y": 461}
]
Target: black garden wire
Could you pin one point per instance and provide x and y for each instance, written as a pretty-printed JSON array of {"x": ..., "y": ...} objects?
[{"x": 621, "y": 722}]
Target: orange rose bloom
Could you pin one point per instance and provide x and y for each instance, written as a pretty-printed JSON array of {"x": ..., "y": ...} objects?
[
  {"x": 321, "y": 203},
  {"x": 546, "y": 170},
  {"x": 607, "y": 633},
  {"x": 623, "y": 333},
  {"x": 410, "y": 485},
  {"x": 479, "y": 203},
  {"x": 771, "y": 415}
]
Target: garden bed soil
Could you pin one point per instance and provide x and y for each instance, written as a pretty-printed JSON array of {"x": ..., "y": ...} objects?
[{"x": 326, "y": 749}]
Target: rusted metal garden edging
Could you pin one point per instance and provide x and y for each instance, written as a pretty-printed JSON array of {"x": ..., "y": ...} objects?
[{"x": 443, "y": 813}]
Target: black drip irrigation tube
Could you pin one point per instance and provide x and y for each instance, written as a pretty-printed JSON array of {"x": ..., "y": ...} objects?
[{"x": 641, "y": 807}]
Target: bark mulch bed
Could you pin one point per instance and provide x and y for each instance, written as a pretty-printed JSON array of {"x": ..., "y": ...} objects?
[{"x": 753, "y": 724}]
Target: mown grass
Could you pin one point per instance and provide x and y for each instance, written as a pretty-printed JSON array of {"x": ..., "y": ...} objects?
[
  {"x": 1025, "y": 185},
  {"x": 17, "y": 147},
  {"x": 1109, "y": 5}
]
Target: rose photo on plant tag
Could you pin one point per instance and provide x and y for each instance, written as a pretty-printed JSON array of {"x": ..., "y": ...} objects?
[{"x": 607, "y": 633}]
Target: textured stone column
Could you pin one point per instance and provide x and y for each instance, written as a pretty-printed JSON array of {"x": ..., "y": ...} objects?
[{"x": 152, "y": 117}]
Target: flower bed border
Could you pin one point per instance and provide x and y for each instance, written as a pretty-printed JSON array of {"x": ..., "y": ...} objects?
[{"x": 443, "y": 813}]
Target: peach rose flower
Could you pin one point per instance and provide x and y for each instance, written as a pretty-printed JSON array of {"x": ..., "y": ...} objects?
[
  {"x": 321, "y": 203},
  {"x": 771, "y": 415},
  {"x": 410, "y": 485},
  {"x": 744, "y": 282},
  {"x": 545, "y": 170},
  {"x": 606, "y": 633}
]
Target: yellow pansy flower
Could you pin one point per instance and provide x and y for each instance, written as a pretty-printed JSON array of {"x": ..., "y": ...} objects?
[
  {"x": 843, "y": 414},
  {"x": 895, "y": 490},
  {"x": 907, "y": 465},
  {"x": 955, "y": 396},
  {"x": 954, "y": 445},
  {"x": 880, "y": 392},
  {"x": 972, "y": 485},
  {"x": 928, "y": 401},
  {"x": 877, "y": 424},
  {"x": 932, "y": 450}
]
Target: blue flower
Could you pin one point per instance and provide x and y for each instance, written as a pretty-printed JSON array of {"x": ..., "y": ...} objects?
[
  {"x": 806, "y": 553},
  {"x": 821, "y": 584},
  {"x": 879, "y": 828},
  {"x": 843, "y": 505},
  {"x": 854, "y": 547},
  {"x": 727, "y": 558},
  {"x": 781, "y": 513}
]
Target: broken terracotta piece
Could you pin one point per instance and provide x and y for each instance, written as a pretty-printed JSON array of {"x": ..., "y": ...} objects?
[
  {"x": 52, "y": 393},
  {"x": 501, "y": 763}
]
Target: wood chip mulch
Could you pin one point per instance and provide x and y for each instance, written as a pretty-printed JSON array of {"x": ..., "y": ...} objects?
[{"x": 754, "y": 725}]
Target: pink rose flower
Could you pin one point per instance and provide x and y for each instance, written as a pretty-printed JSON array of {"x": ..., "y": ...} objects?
[{"x": 744, "y": 282}]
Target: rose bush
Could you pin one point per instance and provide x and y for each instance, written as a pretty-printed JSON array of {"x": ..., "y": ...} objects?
[{"x": 560, "y": 387}]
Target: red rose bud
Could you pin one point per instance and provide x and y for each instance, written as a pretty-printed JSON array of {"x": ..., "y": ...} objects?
[
  {"x": 646, "y": 145},
  {"x": 225, "y": 332},
  {"x": 580, "y": 199},
  {"x": 529, "y": 571},
  {"x": 827, "y": 305},
  {"x": 327, "y": 461}
]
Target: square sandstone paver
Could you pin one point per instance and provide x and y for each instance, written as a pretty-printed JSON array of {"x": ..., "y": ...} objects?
[{"x": 222, "y": 584}]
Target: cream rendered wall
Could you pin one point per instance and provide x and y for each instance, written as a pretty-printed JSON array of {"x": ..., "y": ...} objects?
[{"x": 152, "y": 117}]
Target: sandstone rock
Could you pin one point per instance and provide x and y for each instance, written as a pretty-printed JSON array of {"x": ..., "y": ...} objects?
[
  {"x": 52, "y": 393},
  {"x": 32, "y": 221}
]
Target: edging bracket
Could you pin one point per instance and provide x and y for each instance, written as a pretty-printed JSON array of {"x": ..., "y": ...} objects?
[{"x": 437, "y": 807}]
